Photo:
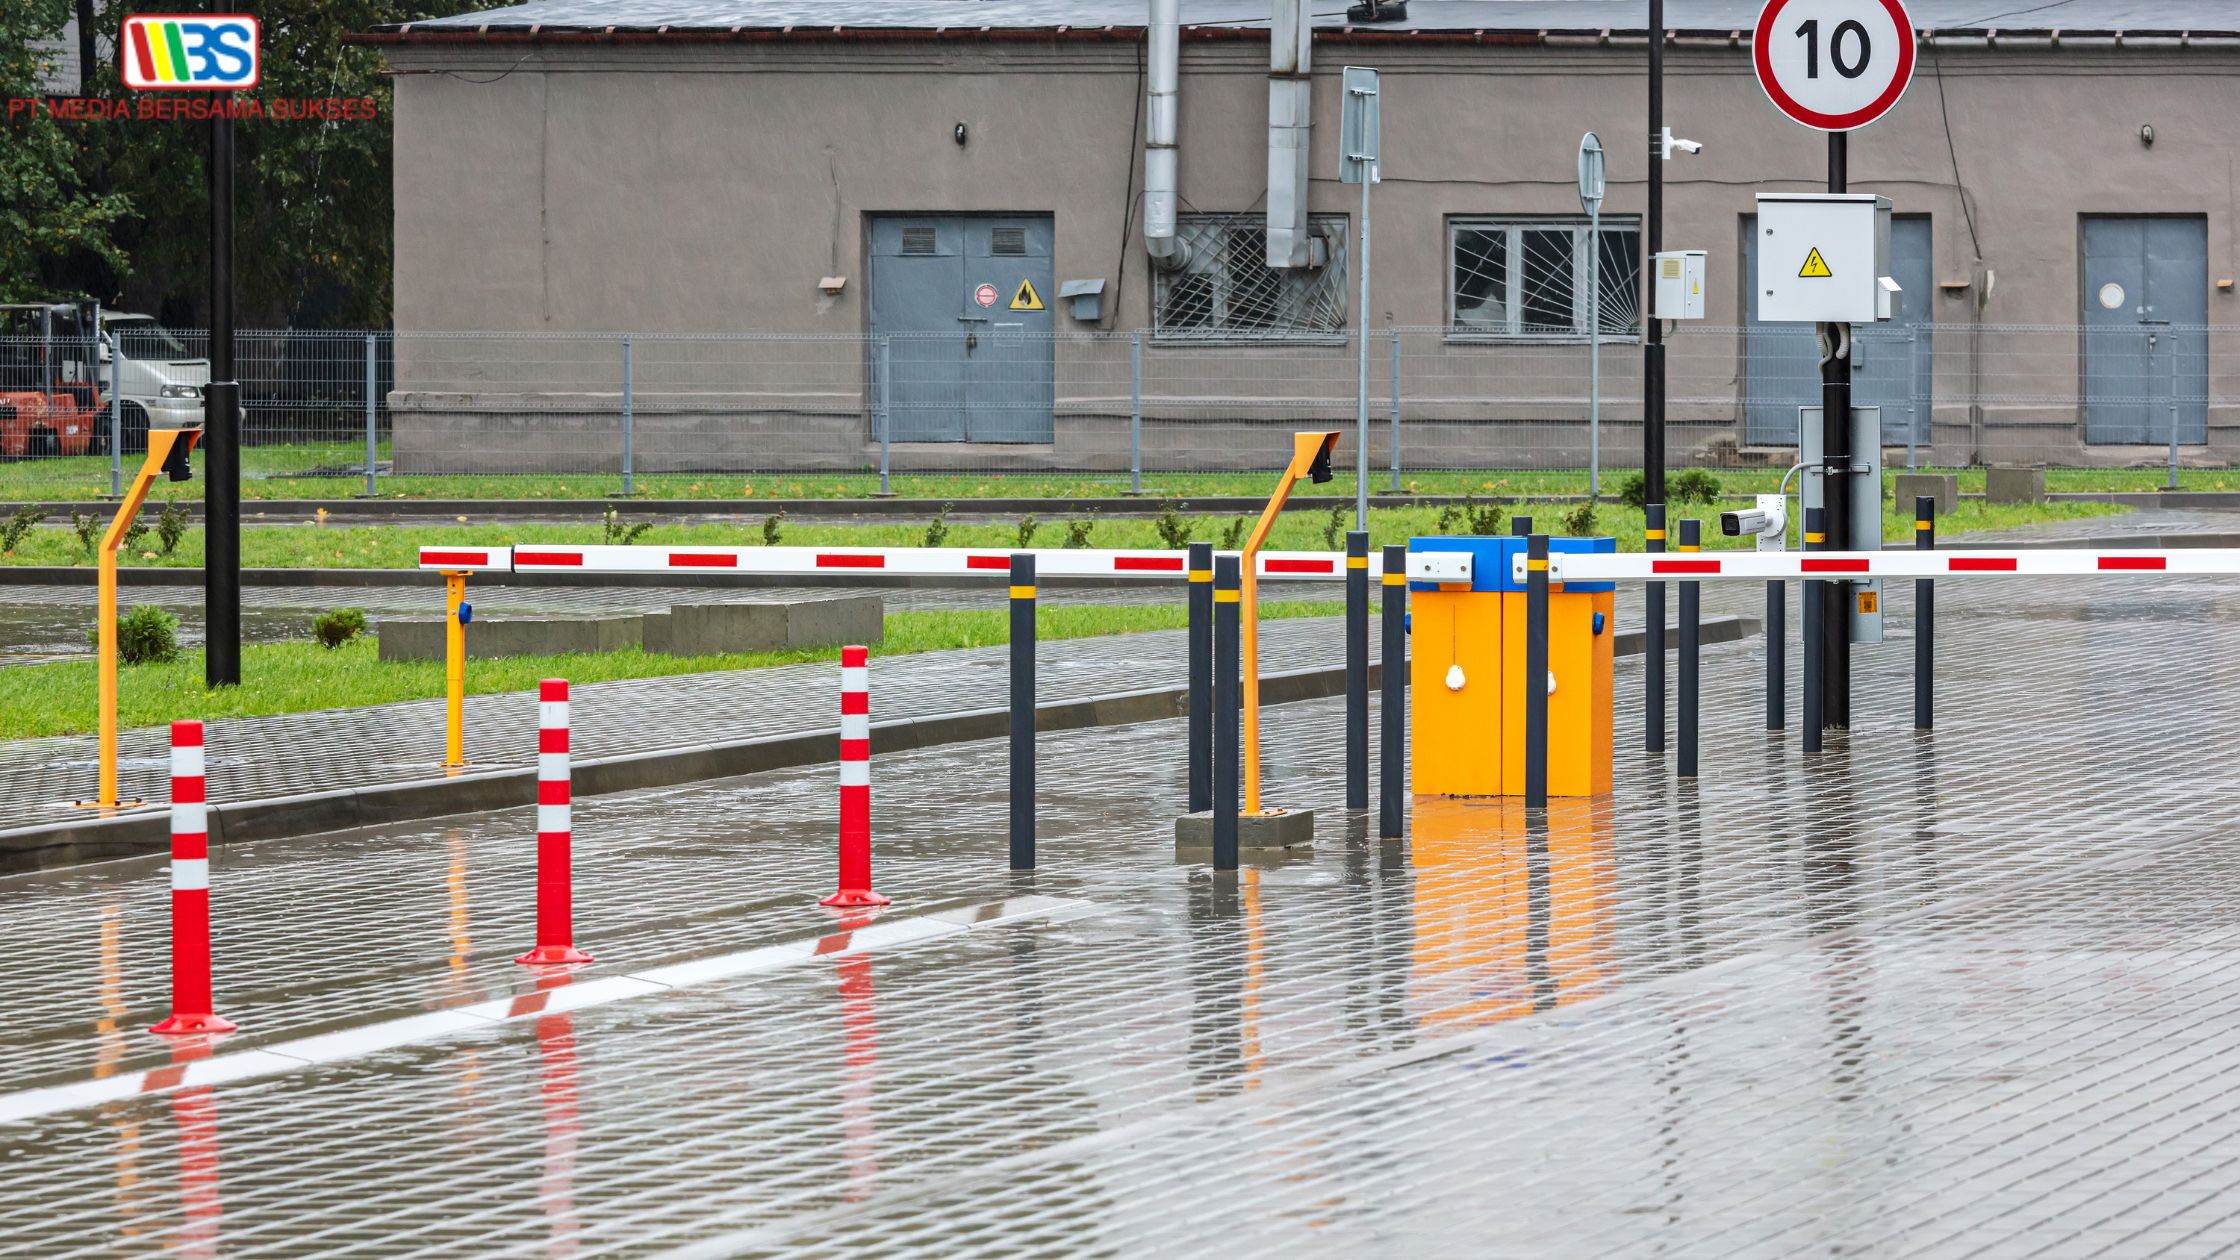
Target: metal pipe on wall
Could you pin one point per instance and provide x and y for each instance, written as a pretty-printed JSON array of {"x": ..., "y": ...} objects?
[
  {"x": 1162, "y": 153},
  {"x": 1290, "y": 131}
]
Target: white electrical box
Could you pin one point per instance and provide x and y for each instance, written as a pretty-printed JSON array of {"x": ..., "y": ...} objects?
[
  {"x": 1824, "y": 258},
  {"x": 1679, "y": 291}
]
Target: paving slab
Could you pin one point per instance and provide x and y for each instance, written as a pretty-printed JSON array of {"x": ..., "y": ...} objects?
[{"x": 1971, "y": 992}]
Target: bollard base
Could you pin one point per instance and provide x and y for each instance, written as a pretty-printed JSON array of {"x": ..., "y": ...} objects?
[
  {"x": 855, "y": 897},
  {"x": 1275, "y": 829},
  {"x": 552, "y": 955},
  {"x": 188, "y": 1025}
]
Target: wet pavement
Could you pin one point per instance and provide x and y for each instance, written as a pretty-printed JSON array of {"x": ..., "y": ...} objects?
[{"x": 1968, "y": 993}]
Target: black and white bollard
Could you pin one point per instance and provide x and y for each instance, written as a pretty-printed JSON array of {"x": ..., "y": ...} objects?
[
  {"x": 1815, "y": 539},
  {"x": 1652, "y": 665},
  {"x": 1022, "y": 711},
  {"x": 1777, "y": 665},
  {"x": 1924, "y": 618},
  {"x": 1536, "y": 671},
  {"x": 1228, "y": 672},
  {"x": 1357, "y": 670},
  {"x": 1201, "y": 677},
  {"x": 1691, "y": 644},
  {"x": 1392, "y": 712}
]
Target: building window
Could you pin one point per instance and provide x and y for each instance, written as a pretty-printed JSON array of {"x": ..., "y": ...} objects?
[
  {"x": 1228, "y": 292},
  {"x": 1527, "y": 277}
]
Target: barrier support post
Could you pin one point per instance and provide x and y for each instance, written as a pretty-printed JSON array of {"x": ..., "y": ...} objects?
[
  {"x": 1022, "y": 711},
  {"x": 1652, "y": 666},
  {"x": 1392, "y": 712},
  {"x": 1357, "y": 669},
  {"x": 1691, "y": 619},
  {"x": 855, "y": 782},
  {"x": 455, "y": 614},
  {"x": 1201, "y": 677},
  {"x": 1227, "y": 705},
  {"x": 1815, "y": 539},
  {"x": 1535, "y": 679},
  {"x": 1520, "y": 526},
  {"x": 191, "y": 999},
  {"x": 167, "y": 455},
  {"x": 1924, "y": 618}
]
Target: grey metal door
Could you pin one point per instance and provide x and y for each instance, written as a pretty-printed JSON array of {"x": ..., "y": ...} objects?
[
  {"x": 2146, "y": 347},
  {"x": 1892, "y": 360},
  {"x": 965, "y": 304}
]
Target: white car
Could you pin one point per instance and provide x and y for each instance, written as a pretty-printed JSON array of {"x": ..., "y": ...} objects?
[{"x": 159, "y": 379}]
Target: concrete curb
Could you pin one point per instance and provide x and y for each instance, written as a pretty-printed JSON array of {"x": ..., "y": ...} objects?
[{"x": 80, "y": 841}]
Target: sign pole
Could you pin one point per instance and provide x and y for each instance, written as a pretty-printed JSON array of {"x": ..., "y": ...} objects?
[
  {"x": 1835, "y": 445},
  {"x": 1652, "y": 385},
  {"x": 1359, "y": 135},
  {"x": 1591, "y": 186}
]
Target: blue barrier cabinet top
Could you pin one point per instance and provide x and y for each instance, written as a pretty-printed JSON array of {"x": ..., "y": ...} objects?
[{"x": 1493, "y": 558}]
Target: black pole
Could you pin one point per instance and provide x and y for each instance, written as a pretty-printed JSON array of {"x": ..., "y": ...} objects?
[
  {"x": 1691, "y": 617},
  {"x": 1835, "y": 439},
  {"x": 1536, "y": 671},
  {"x": 1652, "y": 666},
  {"x": 1777, "y": 667},
  {"x": 1201, "y": 677},
  {"x": 1924, "y": 618},
  {"x": 1815, "y": 681},
  {"x": 1357, "y": 670},
  {"x": 1392, "y": 714},
  {"x": 1228, "y": 659},
  {"x": 1022, "y": 711},
  {"x": 1652, "y": 341},
  {"x": 221, "y": 437},
  {"x": 1519, "y": 526}
]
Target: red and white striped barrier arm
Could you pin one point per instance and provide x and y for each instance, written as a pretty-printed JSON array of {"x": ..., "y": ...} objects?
[
  {"x": 467, "y": 559},
  {"x": 191, "y": 997},
  {"x": 1839, "y": 565},
  {"x": 908, "y": 561},
  {"x": 556, "y": 941}
]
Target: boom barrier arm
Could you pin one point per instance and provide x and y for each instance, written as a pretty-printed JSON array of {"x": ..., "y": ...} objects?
[{"x": 1762, "y": 566}]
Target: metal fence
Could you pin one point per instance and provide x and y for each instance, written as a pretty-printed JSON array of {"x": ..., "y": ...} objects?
[{"x": 479, "y": 413}]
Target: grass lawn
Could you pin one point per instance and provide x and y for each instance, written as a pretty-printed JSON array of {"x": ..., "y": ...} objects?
[
  {"x": 309, "y": 545},
  {"x": 278, "y": 472},
  {"x": 58, "y": 699}
]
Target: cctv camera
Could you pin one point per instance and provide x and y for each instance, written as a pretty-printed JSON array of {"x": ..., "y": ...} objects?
[
  {"x": 1768, "y": 522},
  {"x": 1687, "y": 146}
]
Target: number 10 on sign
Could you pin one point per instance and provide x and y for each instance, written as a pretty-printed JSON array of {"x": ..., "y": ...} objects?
[{"x": 1833, "y": 65}]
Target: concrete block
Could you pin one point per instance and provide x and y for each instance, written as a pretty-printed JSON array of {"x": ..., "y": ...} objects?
[
  {"x": 2014, "y": 485},
  {"x": 1282, "y": 829},
  {"x": 1943, "y": 487},
  {"x": 422, "y": 640},
  {"x": 772, "y": 625},
  {"x": 838, "y": 620},
  {"x": 654, "y": 637}
]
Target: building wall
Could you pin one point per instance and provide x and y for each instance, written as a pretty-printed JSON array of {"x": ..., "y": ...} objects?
[{"x": 700, "y": 188}]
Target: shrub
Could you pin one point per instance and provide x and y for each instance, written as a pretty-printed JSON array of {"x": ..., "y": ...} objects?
[
  {"x": 17, "y": 528},
  {"x": 937, "y": 530},
  {"x": 1174, "y": 531},
  {"x": 1078, "y": 528},
  {"x": 1633, "y": 492},
  {"x": 171, "y": 526},
  {"x": 619, "y": 534},
  {"x": 1472, "y": 517},
  {"x": 1232, "y": 536},
  {"x": 339, "y": 626},
  {"x": 1027, "y": 526},
  {"x": 773, "y": 527},
  {"x": 1334, "y": 529},
  {"x": 1579, "y": 521},
  {"x": 133, "y": 533},
  {"x": 145, "y": 636},
  {"x": 1692, "y": 485},
  {"x": 88, "y": 528}
]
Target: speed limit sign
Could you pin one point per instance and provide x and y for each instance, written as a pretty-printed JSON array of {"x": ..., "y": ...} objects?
[{"x": 1833, "y": 64}]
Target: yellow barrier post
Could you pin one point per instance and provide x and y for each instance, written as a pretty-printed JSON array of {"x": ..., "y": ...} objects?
[
  {"x": 1310, "y": 458},
  {"x": 454, "y": 670},
  {"x": 167, "y": 453}
]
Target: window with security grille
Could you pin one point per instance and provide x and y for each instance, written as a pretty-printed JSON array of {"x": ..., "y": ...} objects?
[
  {"x": 1527, "y": 278},
  {"x": 1228, "y": 292}
]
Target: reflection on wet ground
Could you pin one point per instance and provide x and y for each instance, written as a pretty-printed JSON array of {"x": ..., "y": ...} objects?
[{"x": 1968, "y": 992}]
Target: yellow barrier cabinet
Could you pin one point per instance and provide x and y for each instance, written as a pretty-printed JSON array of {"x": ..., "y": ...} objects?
[{"x": 1467, "y": 645}]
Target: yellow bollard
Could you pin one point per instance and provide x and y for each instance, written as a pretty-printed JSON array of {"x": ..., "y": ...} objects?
[
  {"x": 1310, "y": 457},
  {"x": 454, "y": 670}
]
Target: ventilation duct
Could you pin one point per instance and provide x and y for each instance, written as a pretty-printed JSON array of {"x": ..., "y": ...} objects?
[
  {"x": 1290, "y": 132},
  {"x": 1161, "y": 156}
]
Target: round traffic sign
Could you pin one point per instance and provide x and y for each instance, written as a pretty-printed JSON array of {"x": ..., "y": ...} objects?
[
  {"x": 1591, "y": 181},
  {"x": 985, "y": 295},
  {"x": 1833, "y": 64}
]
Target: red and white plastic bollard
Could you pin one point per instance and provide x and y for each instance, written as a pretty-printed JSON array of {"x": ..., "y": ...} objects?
[
  {"x": 855, "y": 782},
  {"x": 190, "y": 890},
  {"x": 555, "y": 825}
]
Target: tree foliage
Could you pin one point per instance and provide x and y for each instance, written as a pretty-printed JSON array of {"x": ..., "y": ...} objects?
[{"x": 49, "y": 211}]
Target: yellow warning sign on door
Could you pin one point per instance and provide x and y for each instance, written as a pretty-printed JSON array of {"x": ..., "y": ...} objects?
[
  {"x": 1815, "y": 267},
  {"x": 1026, "y": 299}
]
